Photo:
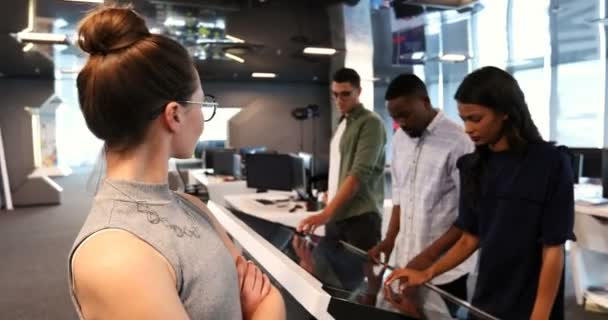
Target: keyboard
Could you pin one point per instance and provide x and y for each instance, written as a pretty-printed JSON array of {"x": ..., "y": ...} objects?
[{"x": 265, "y": 202}]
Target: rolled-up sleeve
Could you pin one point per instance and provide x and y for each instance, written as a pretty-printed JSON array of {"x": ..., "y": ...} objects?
[{"x": 370, "y": 145}]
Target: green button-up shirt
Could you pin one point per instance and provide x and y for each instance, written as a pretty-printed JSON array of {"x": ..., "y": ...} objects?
[{"x": 362, "y": 156}]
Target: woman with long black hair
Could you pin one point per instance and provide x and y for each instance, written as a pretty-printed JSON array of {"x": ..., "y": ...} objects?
[{"x": 516, "y": 205}]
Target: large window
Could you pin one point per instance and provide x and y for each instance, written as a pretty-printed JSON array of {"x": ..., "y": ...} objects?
[
  {"x": 446, "y": 34},
  {"x": 217, "y": 128},
  {"x": 529, "y": 25},
  {"x": 579, "y": 49},
  {"x": 554, "y": 48},
  {"x": 489, "y": 34},
  {"x": 580, "y": 115},
  {"x": 535, "y": 83},
  {"x": 76, "y": 145},
  {"x": 529, "y": 57}
]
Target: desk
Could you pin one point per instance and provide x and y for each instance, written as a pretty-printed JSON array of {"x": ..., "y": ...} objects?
[
  {"x": 278, "y": 213},
  {"x": 218, "y": 186},
  {"x": 589, "y": 254}
]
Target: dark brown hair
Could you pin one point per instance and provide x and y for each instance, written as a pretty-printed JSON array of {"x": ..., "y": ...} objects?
[
  {"x": 347, "y": 75},
  {"x": 130, "y": 75}
]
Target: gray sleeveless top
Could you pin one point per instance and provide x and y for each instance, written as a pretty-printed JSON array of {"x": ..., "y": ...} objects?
[{"x": 207, "y": 281}]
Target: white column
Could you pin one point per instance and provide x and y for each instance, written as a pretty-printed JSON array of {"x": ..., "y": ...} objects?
[
  {"x": 4, "y": 177},
  {"x": 359, "y": 45}
]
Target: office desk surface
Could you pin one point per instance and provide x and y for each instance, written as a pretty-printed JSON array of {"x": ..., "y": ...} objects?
[
  {"x": 202, "y": 176},
  {"x": 598, "y": 211},
  {"x": 218, "y": 187},
  {"x": 278, "y": 212},
  {"x": 586, "y": 191}
]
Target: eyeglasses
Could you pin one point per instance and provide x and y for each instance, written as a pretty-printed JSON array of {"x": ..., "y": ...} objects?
[
  {"x": 342, "y": 94},
  {"x": 209, "y": 106}
]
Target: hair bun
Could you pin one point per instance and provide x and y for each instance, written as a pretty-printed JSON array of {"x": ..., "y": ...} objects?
[{"x": 109, "y": 29}]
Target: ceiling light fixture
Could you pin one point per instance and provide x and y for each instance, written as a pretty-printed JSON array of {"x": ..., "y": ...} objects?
[
  {"x": 174, "y": 22},
  {"x": 60, "y": 23},
  {"x": 453, "y": 57},
  {"x": 38, "y": 37},
  {"x": 28, "y": 47},
  {"x": 70, "y": 70},
  {"x": 263, "y": 75},
  {"x": 235, "y": 58},
  {"x": 234, "y": 39},
  {"x": 320, "y": 51},
  {"x": 86, "y": 1},
  {"x": 418, "y": 55}
]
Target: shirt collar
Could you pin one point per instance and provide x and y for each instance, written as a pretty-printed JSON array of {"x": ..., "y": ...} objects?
[
  {"x": 355, "y": 113},
  {"x": 435, "y": 122}
]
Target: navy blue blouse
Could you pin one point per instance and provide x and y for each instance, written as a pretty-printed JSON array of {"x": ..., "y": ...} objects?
[{"x": 526, "y": 202}]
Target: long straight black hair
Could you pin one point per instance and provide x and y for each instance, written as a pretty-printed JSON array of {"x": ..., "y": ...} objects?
[{"x": 495, "y": 89}]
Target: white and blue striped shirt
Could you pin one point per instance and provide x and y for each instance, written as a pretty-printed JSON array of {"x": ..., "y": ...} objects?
[{"x": 425, "y": 184}]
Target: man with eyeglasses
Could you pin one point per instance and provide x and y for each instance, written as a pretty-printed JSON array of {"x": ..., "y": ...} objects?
[{"x": 356, "y": 170}]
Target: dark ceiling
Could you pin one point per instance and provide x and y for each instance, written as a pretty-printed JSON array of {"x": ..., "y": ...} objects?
[{"x": 277, "y": 30}]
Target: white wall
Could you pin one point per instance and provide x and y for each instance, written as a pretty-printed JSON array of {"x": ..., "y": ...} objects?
[{"x": 266, "y": 120}]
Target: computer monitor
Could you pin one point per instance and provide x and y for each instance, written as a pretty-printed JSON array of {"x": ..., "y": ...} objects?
[
  {"x": 223, "y": 162},
  {"x": 307, "y": 158},
  {"x": 251, "y": 150},
  {"x": 594, "y": 165},
  {"x": 591, "y": 159},
  {"x": 214, "y": 144},
  {"x": 577, "y": 166},
  {"x": 209, "y": 156},
  {"x": 202, "y": 146},
  {"x": 199, "y": 150},
  {"x": 275, "y": 172},
  {"x": 605, "y": 173}
]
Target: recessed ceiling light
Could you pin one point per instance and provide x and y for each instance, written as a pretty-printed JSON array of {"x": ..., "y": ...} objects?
[
  {"x": 70, "y": 70},
  {"x": 234, "y": 57},
  {"x": 452, "y": 57},
  {"x": 41, "y": 37},
  {"x": 234, "y": 39},
  {"x": 320, "y": 51},
  {"x": 60, "y": 23},
  {"x": 174, "y": 22},
  {"x": 28, "y": 47},
  {"x": 418, "y": 55},
  {"x": 86, "y": 1},
  {"x": 263, "y": 75}
]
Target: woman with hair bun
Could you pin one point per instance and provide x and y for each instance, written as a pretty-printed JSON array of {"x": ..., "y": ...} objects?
[{"x": 144, "y": 251}]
